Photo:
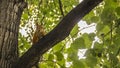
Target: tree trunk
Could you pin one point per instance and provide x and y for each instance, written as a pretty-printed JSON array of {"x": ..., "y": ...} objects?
[{"x": 10, "y": 14}]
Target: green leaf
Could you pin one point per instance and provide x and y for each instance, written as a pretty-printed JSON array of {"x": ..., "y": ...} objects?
[
  {"x": 118, "y": 10},
  {"x": 91, "y": 61},
  {"x": 88, "y": 17},
  {"x": 118, "y": 30},
  {"x": 117, "y": 40},
  {"x": 46, "y": 55},
  {"x": 62, "y": 63},
  {"x": 107, "y": 15},
  {"x": 92, "y": 36},
  {"x": 118, "y": 65},
  {"x": 95, "y": 19},
  {"x": 78, "y": 64},
  {"x": 50, "y": 64},
  {"x": 114, "y": 59},
  {"x": 87, "y": 40},
  {"x": 74, "y": 31},
  {"x": 51, "y": 57},
  {"x": 110, "y": 3},
  {"x": 103, "y": 30},
  {"x": 72, "y": 54},
  {"x": 58, "y": 47},
  {"x": 90, "y": 52},
  {"x": 78, "y": 43},
  {"x": 43, "y": 65},
  {"x": 99, "y": 26},
  {"x": 25, "y": 16},
  {"x": 98, "y": 45},
  {"x": 59, "y": 56}
]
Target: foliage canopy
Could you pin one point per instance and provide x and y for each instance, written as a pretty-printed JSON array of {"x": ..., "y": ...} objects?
[{"x": 103, "y": 52}]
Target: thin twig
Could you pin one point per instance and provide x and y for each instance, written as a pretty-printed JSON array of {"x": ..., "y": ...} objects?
[
  {"x": 86, "y": 27},
  {"x": 39, "y": 4},
  {"x": 60, "y": 5},
  {"x": 109, "y": 31}
]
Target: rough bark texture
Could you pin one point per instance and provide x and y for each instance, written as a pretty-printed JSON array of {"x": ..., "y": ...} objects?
[
  {"x": 60, "y": 32},
  {"x": 10, "y": 14}
]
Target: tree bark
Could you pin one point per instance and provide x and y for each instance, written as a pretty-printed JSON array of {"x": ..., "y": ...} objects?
[
  {"x": 10, "y": 14},
  {"x": 60, "y": 32}
]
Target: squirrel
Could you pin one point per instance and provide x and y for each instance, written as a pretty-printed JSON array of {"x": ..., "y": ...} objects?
[{"x": 39, "y": 33}]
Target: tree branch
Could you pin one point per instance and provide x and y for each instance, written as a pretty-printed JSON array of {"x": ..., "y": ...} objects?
[{"x": 59, "y": 33}]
